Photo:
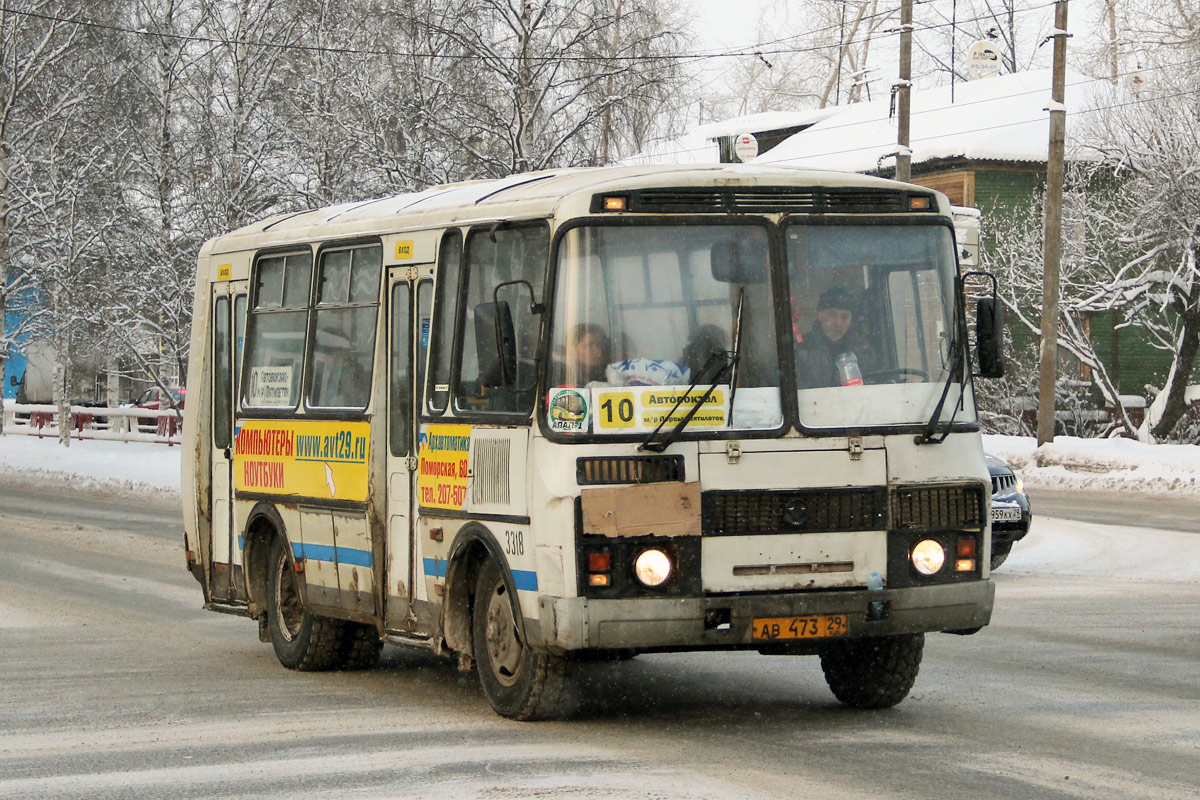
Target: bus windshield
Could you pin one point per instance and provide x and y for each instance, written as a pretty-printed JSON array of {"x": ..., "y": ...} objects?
[
  {"x": 643, "y": 312},
  {"x": 873, "y": 324}
]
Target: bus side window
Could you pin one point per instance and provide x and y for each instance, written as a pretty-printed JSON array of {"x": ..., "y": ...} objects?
[
  {"x": 494, "y": 257},
  {"x": 344, "y": 328},
  {"x": 441, "y": 353},
  {"x": 400, "y": 390},
  {"x": 275, "y": 331}
]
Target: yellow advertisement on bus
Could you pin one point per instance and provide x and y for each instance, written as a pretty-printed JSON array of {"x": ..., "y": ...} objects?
[{"x": 302, "y": 458}]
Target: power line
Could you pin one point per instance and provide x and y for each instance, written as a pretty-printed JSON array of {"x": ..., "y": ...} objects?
[{"x": 743, "y": 52}]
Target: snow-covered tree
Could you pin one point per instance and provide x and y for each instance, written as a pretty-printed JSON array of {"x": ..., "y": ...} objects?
[
  {"x": 547, "y": 75},
  {"x": 30, "y": 104},
  {"x": 1149, "y": 144}
]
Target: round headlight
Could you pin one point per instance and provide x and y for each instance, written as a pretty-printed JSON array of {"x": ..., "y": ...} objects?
[
  {"x": 928, "y": 557},
  {"x": 652, "y": 567}
]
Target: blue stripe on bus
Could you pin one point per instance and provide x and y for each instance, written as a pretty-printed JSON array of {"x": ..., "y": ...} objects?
[
  {"x": 340, "y": 555},
  {"x": 524, "y": 579},
  {"x": 241, "y": 542}
]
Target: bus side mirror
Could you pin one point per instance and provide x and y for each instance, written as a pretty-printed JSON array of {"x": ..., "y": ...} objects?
[
  {"x": 495, "y": 344},
  {"x": 989, "y": 337}
]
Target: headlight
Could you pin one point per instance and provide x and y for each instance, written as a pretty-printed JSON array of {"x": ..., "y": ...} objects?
[
  {"x": 1019, "y": 486},
  {"x": 652, "y": 567},
  {"x": 928, "y": 557}
]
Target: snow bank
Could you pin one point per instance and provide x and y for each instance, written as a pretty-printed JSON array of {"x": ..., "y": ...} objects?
[
  {"x": 130, "y": 467},
  {"x": 1101, "y": 464},
  {"x": 1066, "y": 463}
]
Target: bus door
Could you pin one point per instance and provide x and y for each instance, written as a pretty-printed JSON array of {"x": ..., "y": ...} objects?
[
  {"x": 410, "y": 303},
  {"x": 228, "y": 326}
]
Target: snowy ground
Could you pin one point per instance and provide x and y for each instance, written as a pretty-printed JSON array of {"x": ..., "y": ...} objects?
[
  {"x": 1066, "y": 464},
  {"x": 91, "y": 464},
  {"x": 1069, "y": 463}
]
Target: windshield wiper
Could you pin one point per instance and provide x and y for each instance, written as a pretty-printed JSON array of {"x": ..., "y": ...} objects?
[
  {"x": 729, "y": 363},
  {"x": 927, "y": 435},
  {"x": 725, "y": 363}
]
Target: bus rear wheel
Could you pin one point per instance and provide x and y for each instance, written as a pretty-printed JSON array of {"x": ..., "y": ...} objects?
[
  {"x": 518, "y": 682},
  {"x": 874, "y": 672},
  {"x": 303, "y": 641},
  {"x": 361, "y": 646}
]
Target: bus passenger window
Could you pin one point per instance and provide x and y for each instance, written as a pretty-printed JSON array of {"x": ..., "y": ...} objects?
[
  {"x": 275, "y": 331},
  {"x": 494, "y": 257},
  {"x": 400, "y": 389},
  {"x": 344, "y": 335},
  {"x": 441, "y": 353}
]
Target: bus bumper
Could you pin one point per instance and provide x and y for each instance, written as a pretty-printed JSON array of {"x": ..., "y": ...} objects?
[{"x": 579, "y": 623}]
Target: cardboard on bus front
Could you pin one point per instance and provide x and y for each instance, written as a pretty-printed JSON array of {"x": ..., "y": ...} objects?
[{"x": 652, "y": 509}]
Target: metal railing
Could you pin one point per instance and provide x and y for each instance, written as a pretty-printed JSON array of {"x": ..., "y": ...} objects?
[{"x": 120, "y": 424}]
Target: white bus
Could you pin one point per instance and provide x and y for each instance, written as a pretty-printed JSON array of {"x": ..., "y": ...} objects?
[{"x": 594, "y": 413}]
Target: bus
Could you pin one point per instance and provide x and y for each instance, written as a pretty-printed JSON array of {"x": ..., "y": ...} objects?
[{"x": 585, "y": 414}]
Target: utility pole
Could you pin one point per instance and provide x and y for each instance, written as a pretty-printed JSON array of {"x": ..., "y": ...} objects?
[
  {"x": 1052, "y": 231},
  {"x": 903, "y": 90}
]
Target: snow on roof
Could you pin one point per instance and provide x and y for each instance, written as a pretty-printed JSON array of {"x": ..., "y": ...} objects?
[
  {"x": 764, "y": 121},
  {"x": 1003, "y": 118},
  {"x": 690, "y": 148},
  {"x": 697, "y": 145}
]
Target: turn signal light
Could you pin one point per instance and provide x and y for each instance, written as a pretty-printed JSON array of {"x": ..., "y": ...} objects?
[
  {"x": 598, "y": 579},
  {"x": 918, "y": 203},
  {"x": 965, "y": 548},
  {"x": 964, "y": 565},
  {"x": 599, "y": 562},
  {"x": 614, "y": 203}
]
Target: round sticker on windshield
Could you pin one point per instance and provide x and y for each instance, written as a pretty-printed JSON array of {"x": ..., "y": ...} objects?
[{"x": 567, "y": 410}]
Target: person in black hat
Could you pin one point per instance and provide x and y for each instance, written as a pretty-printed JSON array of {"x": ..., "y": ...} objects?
[{"x": 831, "y": 336}]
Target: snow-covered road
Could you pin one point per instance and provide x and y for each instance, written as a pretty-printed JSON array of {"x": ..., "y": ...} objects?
[{"x": 117, "y": 685}]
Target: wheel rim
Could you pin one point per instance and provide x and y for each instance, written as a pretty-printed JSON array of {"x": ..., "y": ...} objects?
[
  {"x": 504, "y": 648},
  {"x": 287, "y": 600}
]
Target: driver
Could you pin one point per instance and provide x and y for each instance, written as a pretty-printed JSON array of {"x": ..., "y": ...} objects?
[{"x": 832, "y": 335}]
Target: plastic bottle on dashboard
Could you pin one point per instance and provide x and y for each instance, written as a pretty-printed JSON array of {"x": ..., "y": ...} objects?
[{"x": 847, "y": 368}]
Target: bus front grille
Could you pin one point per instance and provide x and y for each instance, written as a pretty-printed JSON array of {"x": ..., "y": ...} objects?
[
  {"x": 605, "y": 470},
  {"x": 918, "y": 507},
  {"x": 772, "y": 200},
  {"x": 733, "y": 513}
]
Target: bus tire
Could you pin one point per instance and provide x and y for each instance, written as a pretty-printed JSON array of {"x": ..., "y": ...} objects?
[
  {"x": 360, "y": 646},
  {"x": 518, "y": 682},
  {"x": 302, "y": 640},
  {"x": 873, "y": 672}
]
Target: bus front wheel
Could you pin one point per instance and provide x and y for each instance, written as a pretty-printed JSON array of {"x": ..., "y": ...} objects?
[
  {"x": 518, "y": 682},
  {"x": 873, "y": 672},
  {"x": 302, "y": 640}
]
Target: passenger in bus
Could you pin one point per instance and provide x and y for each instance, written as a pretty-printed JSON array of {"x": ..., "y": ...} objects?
[
  {"x": 589, "y": 351},
  {"x": 832, "y": 353}
]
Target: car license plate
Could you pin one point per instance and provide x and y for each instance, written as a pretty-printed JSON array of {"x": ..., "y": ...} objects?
[
  {"x": 817, "y": 627},
  {"x": 1006, "y": 515}
]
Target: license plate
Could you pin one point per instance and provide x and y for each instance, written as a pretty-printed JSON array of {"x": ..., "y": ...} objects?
[
  {"x": 823, "y": 626},
  {"x": 1006, "y": 515}
]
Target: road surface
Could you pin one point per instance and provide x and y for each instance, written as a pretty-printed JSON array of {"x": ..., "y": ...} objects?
[{"x": 116, "y": 684}]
